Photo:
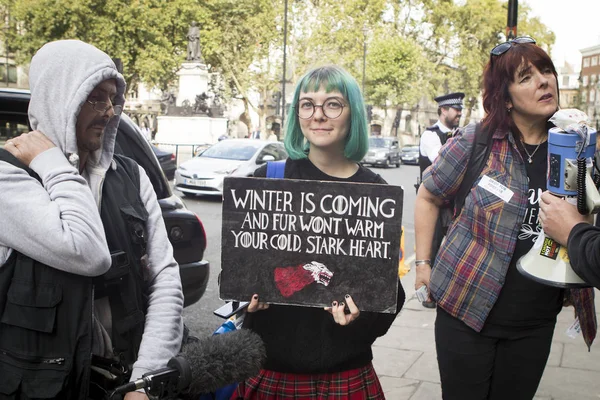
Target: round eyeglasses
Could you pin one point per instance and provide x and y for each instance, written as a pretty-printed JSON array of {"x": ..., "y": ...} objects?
[
  {"x": 332, "y": 108},
  {"x": 102, "y": 107}
]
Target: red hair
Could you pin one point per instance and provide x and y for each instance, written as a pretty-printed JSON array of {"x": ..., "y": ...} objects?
[{"x": 499, "y": 73}]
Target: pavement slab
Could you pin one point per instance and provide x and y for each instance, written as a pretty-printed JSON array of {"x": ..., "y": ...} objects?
[
  {"x": 568, "y": 384},
  {"x": 398, "y": 388},
  {"x": 393, "y": 362},
  {"x": 415, "y": 318},
  {"x": 425, "y": 369},
  {"x": 556, "y": 355},
  {"x": 406, "y": 338},
  {"x": 576, "y": 356},
  {"x": 428, "y": 391}
]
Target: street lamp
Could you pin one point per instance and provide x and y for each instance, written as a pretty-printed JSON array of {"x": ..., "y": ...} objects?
[
  {"x": 364, "y": 56},
  {"x": 283, "y": 80}
]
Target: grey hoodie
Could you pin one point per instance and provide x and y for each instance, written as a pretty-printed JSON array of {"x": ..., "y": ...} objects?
[{"x": 59, "y": 224}]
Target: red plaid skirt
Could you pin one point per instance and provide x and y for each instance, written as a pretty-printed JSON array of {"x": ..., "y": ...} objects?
[{"x": 356, "y": 384}]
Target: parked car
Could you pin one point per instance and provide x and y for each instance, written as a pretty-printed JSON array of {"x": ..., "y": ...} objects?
[
  {"x": 204, "y": 173},
  {"x": 410, "y": 154},
  {"x": 184, "y": 228},
  {"x": 383, "y": 151},
  {"x": 167, "y": 160}
]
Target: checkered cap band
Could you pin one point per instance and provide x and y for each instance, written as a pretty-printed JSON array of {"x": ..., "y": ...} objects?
[{"x": 451, "y": 102}]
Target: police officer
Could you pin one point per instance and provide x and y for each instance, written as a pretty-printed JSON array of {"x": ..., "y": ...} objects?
[{"x": 433, "y": 138}]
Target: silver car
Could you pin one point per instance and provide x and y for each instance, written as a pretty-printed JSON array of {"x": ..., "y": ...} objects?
[
  {"x": 204, "y": 173},
  {"x": 383, "y": 151}
]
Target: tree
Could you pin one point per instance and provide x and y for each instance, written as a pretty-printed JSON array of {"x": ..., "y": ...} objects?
[
  {"x": 242, "y": 33},
  {"x": 461, "y": 37},
  {"x": 396, "y": 70},
  {"x": 414, "y": 47},
  {"x": 147, "y": 35}
]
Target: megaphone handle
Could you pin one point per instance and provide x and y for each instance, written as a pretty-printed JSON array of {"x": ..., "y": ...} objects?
[{"x": 592, "y": 196}]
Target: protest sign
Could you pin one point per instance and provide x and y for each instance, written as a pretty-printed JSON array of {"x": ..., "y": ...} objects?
[{"x": 311, "y": 242}]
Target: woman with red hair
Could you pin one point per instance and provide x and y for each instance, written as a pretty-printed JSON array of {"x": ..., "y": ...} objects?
[{"x": 494, "y": 326}]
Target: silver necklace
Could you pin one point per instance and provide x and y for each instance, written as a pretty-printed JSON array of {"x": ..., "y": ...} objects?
[{"x": 530, "y": 156}]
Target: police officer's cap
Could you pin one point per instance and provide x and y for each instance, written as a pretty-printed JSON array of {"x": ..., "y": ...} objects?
[{"x": 454, "y": 100}]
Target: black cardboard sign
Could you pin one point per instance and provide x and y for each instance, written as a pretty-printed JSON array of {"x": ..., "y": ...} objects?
[{"x": 311, "y": 242}]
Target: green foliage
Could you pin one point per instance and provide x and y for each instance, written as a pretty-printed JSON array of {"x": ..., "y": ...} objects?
[
  {"x": 414, "y": 48},
  {"x": 147, "y": 35},
  {"x": 395, "y": 70},
  {"x": 461, "y": 37}
]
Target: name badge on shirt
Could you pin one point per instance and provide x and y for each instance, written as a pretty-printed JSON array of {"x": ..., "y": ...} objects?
[{"x": 496, "y": 188}]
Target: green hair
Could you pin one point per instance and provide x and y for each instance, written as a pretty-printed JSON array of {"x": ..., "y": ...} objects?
[{"x": 332, "y": 78}]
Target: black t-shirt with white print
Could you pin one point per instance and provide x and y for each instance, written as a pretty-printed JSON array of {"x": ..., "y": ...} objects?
[{"x": 522, "y": 301}]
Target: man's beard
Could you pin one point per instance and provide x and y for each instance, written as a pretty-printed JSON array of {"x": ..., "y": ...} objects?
[{"x": 449, "y": 122}]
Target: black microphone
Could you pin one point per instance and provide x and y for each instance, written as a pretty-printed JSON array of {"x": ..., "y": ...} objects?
[
  {"x": 205, "y": 365},
  {"x": 224, "y": 359}
]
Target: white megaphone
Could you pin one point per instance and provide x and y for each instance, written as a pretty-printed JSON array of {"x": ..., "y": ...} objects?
[{"x": 571, "y": 148}]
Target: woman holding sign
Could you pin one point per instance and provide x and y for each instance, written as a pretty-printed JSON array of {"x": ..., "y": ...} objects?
[
  {"x": 314, "y": 353},
  {"x": 494, "y": 326}
]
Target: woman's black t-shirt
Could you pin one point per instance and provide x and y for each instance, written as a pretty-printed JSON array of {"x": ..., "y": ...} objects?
[{"x": 522, "y": 301}]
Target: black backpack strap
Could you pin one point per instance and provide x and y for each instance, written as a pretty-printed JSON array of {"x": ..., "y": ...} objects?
[
  {"x": 6, "y": 156},
  {"x": 480, "y": 152}
]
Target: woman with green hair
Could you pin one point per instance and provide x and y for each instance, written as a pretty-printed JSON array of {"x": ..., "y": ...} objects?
[{"x": 314, "y": 353}]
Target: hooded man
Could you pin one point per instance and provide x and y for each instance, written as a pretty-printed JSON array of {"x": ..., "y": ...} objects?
[{"x": 86, "y": 267}]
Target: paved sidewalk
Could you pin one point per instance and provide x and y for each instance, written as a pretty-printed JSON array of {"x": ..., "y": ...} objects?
[{"x": 406, "y": 363}]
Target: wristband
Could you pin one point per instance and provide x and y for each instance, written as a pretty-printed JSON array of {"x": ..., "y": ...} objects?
[{"x": 422, "y": 262}]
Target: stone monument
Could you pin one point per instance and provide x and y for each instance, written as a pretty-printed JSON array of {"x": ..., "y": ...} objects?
[
  {"x": 195, "y": 114},
  {"x": 193, "y": 74}
]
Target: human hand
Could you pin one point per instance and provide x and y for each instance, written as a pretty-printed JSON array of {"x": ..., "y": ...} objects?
[
  {"x": 28, "y": 146},
  {"x": 256, "y": 305},
  {"x": 135, "y": 396},
  {"x": 423, "y": 275},
  {"x": 558, "y": 217},
  {"x": 337, "y": 310}
]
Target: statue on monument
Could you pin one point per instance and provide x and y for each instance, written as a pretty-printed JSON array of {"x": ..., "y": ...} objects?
[
  {"x": 193, "y": 48},
  {"x": 216, "y": 109},
  {"x": 201, "y": 104},
  {"x": 167, "y": 100}
]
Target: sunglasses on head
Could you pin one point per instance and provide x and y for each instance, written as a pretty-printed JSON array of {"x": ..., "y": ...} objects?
[{"x": 504, "y": 47}]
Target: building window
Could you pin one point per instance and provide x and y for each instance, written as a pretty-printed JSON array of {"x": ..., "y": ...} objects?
[
  {"x": 408, "y": 123},
  {"x": 565, "y": 80},
  {"x": 574, "y": 100},
  {"x": 584, "y": 96},
  {"x": 594, "y": 61},
  {"x": 586, "y": 62},
  {"x": 12, "y": 73},
  {"x": 585, "y": 80},
  {"x": 592, "y": 96}
]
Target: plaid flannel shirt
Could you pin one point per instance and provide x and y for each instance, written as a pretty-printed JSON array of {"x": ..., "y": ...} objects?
[{"x": 471, "y": 265}]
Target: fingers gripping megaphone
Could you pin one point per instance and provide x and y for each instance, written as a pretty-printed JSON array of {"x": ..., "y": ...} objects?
[{"x": 571, "y": 147}]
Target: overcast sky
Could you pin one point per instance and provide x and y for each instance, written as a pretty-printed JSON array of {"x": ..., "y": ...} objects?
[{"x": 576, "y": 24}]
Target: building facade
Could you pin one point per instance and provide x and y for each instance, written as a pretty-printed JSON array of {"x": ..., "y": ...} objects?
[
  {"x": 568, "y": 83},
  {"x": 590, "y": 83}
]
